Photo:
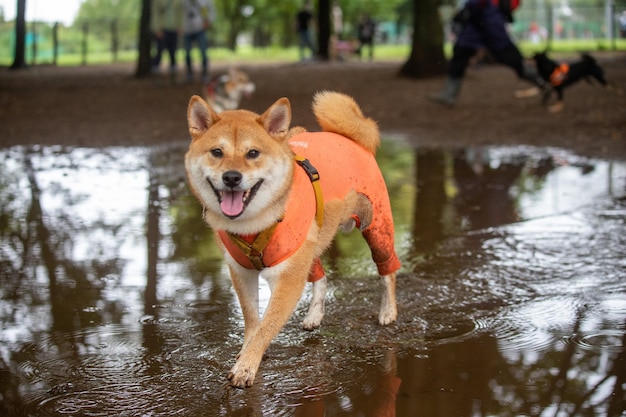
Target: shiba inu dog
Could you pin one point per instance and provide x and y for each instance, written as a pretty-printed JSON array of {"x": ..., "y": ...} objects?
[
  {"x": 276, "y": 196},
  {"x": 225, "y": 92}
]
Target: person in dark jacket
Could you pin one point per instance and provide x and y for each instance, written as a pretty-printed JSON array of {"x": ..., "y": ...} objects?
[
  {"x": 304, "y": 19},
  {"x": 482, "y": 24},
  {"x": 366, "y": 30}
]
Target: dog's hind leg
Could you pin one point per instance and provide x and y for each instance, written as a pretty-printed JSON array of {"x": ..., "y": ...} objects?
[
  {"x": 379, "y": 236},
  {"x": 315, "y": 314},
  {"x": 388, "y": 310}
]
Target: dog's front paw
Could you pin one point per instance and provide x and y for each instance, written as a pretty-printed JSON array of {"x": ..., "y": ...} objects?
[{"x": 241, "y": 377}]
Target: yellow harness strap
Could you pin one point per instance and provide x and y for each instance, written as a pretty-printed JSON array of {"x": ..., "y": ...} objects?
[
  {"x": 254, "y": 251},
  {"x": 314, "y": 176}
]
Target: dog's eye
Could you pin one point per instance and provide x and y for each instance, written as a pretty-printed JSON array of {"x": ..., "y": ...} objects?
[
  {"x": 253, "y": 154},
  {"x": 217, "y": 153}
]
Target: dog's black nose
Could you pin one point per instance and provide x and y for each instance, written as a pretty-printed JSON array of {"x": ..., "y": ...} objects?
[{"x": 231, "y": 178}]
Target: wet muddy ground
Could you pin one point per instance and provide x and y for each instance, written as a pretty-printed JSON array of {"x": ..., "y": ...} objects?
[
  {"x": 104, "y": 105},
  {"x": 114, "y": 299},
  {"x": 512, "y": 297}
]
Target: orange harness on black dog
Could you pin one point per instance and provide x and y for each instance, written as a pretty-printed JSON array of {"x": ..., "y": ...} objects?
[{"x": 559, "y": 75}]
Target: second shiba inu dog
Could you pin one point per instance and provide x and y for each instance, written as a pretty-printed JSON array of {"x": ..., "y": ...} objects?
[
  {"x": 276, "y": 196},
  {"x": 226, "y": 91}
]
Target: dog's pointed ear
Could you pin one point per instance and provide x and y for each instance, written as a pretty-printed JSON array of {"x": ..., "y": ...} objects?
[
  {"x": 277, "y": 118},
  {"x": 200, "y": 117}
]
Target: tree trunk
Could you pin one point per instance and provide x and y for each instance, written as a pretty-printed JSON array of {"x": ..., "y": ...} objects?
[
  {"x": 19, "y": 56},
  {"x": 231, "y": 10},
  {"x": 427, "y": 57},
  {"x": 144, "y": 60},
  {"x": 233, "y": 34},
  {"x": 323, "y": 28},
  {"x": 288, "y": 32}
]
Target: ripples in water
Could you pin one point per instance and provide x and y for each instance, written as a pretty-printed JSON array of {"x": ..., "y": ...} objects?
[
  {"x": 535, "y": 326},
  {"x": 523, "y": 317}
]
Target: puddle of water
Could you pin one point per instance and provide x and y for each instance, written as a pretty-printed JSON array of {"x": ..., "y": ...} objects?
[{"x": 114, "y": 299}]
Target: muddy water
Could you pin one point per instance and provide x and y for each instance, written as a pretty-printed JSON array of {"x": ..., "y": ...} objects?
[{"x": 512, "y": 297}]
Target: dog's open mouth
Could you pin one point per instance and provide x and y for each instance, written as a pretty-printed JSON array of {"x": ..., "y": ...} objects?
[{"x": 233, "y": 202}]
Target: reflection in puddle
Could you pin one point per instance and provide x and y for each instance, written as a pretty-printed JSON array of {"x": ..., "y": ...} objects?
[{"x": 115, "y": 301}]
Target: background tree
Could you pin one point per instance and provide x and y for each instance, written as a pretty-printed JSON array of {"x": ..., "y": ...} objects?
[
  {"x": 20, "y": 36},
  {"x": 427, "y": 56},
  {"x": 144, "y": 64},
  {"x": 117, "y": 20},
  {"x": 269, "y": 22},
  {"x": 274, "y": 22},
  {"x": 232, "y": 19},
  {"x": 380, "y": 10},
  {"x": 103, "y": 15},
  {"x": 323, "y": 28}
]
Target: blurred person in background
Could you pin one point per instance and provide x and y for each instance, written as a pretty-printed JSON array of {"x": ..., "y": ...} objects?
[
  {"x": 166, "y": 23},
  {"x": 304, "y": 20},
  {"x": 366, "y": 30},
  {"x": 199, "y": 16},
  {"x": 482, "y": 24}
]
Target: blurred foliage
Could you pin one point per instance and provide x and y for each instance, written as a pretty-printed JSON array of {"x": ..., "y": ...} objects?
[{"x": 107, "y": 30}]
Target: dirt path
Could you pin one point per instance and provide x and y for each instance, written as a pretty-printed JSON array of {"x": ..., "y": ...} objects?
[{"x": 105, "y": 105}]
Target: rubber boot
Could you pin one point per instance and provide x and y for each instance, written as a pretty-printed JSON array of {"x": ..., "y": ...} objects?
[{"x": 448, "y": 95}]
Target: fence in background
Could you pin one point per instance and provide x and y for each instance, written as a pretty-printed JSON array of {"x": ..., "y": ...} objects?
[
  {"x": 562, "y": 22},
  {"x": 82, "y": 43},
  {"x": 111, "y": 40}
]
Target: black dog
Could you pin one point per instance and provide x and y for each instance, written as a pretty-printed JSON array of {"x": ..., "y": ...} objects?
[{"x": 562, "y": 75}]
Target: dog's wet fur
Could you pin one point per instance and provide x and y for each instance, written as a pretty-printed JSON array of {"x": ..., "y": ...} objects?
[{"x": 257, "y": 149}]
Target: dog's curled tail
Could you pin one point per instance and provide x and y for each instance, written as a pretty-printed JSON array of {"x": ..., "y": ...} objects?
[{"x": 339, "y": 113}]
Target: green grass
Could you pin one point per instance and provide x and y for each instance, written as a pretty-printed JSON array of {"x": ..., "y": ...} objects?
[
  {"x": 570, "y": 47},
  {"x": 248, "y": 55}
]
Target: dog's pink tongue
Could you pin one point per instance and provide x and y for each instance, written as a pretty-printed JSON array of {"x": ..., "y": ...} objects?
[{"x": 232, "y": 203}]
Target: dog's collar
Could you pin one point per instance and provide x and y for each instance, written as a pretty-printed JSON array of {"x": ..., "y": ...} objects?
[
  {"x": 254, "y": 250},
  {"x": 559, "y": 74}
]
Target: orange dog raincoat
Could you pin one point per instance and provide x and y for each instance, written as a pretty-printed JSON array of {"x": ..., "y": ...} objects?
[{"x": 343, "y": 165}]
